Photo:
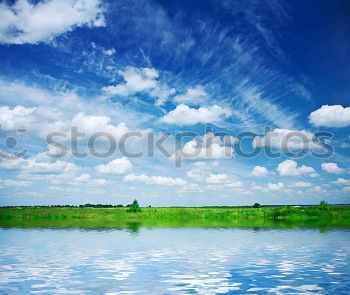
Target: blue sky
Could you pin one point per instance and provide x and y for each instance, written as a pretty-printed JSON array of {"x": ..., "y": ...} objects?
[{"x": 156, "y": 67}]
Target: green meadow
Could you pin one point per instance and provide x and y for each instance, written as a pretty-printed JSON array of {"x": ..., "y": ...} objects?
[{"x": 323, "y": 217}]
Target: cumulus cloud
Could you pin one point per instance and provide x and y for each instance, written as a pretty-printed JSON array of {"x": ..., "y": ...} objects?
[
  {"x": 286, "y": 138},
  {"x": 208, "y": 146},
  {"x": 109, "y": 52},
  {"x": 141, "y": 80},
  {"x": 195, "y": 95},
  {"x": 227, "y": 180},
  {"x": 260, "y": 171},
  {"x": 136, "y": 80},
  {"x": 17, "y": 117},
  {"x": 275, "y": 186},
  {"x": 342, "y": 181},
  {"x": 26, "y": 22},
  {"x": 184, "y": 115},
  {"x": 234, "y": 184},
  {"x": 91, "y": 124},
  {"x": 117, "y": 166},
  {"x": 64, "y": 178},
  {"x": 289, "y": 168},
  {"x": 346, "y": 189},
  {"x": 43, "y": 120},
  {"x": 301, "y": 184},
  {"x": 332, "y": 168},
  {"x": 316, "y": 189},
  {"x": 38, "y": 164},
  {"x": 331, "y": 116},
  {"x": 196, "y": 174},
  {"x": 217, "y": 178},
  {"x": 14, "y": 183},
  {"x": 71, "y": 190},
  {"x": 157, "y": 180}
]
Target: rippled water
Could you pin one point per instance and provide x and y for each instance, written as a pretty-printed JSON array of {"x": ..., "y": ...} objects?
[{"x": 174, "y": 261}]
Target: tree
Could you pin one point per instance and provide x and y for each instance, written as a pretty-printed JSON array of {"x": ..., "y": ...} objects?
[
  {"x": 323, "y": 205},
  {"x": 134, "y": 207},
  {"x": 256, "y": 205}
]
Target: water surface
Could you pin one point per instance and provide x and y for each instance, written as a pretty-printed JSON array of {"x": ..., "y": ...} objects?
[{"x": 174, "y": 261}]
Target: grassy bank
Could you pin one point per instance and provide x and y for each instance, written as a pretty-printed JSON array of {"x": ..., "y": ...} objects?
[{"x": 285, "y": 217}]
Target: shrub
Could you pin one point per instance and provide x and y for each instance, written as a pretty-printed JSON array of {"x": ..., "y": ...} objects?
[
  {"x": 134, "y": 207},
  {"x": 323, "y": 205}
]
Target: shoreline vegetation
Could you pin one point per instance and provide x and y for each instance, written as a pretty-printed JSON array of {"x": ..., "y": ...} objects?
[{"x": 322, "y": 216}]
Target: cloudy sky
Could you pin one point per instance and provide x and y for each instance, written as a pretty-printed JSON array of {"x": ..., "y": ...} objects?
[{"x": 244, "y": 102}]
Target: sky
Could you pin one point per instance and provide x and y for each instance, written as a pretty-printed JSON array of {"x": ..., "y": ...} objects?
[{"x": 174, "y": 103}]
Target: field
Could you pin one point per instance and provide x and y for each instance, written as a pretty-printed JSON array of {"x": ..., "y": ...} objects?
[{"x": 281, "y": 217}]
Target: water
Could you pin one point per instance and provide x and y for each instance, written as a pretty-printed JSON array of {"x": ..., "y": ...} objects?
[{"x": 174, "y": 261}]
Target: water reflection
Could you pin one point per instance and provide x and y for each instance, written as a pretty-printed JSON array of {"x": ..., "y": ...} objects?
[{"x": 174, "y": 261}]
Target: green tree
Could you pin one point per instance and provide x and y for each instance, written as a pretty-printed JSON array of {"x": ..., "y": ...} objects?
[
  {"x": 134, "y": 207},
  {"x": 323, "y": 205},
  {"x": 256, "y": 205}
]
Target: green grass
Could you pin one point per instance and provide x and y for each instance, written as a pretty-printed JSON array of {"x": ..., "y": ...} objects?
[{"x": 282, "y": 217}]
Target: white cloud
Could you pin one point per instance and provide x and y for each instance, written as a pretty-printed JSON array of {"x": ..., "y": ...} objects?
[
  {"x": 17, "y": 117},
  {"x": 269, "y": 187},
  {"x": 14, "y": 183},
  {"x": 76, "y": 190},
  {"x": 37, "y": 164},
  {"x": 259, "y": 188},
  {"x": 162, "y": 92},
  {"x": 285, "y": 138},
  {"x": 91, "y": 124},
  {"x": 260, "y": 171},
  {"x": 289, "y": 168},
  {"x": 117, "y": 166},
  {"x": 275, "y": 186},
  {"x": 225, "y": 179},
  {"x": 217, "y": 178},
  {"x": 109, "y": 52},
  {"x": 332, "y": 168},
  {"x": 316, "y": 189},
  {"x": 301, "y": 184},
  {"x": 42, "y": 112},
  {"x": 346, "y": 189},
  {"x": 84, "y": 179},
  {"x": 196, "y": 174},
  {"x": 158, "y": 180},
  {"x": 331, "y": 116},
  {"x": 141, "y": 80},
  {"x": 42, "y": 120},
  {"x": 208, "y": 146},
  {"x": 25, "y": 22},
  {"x": 342, "y": 181},
  {"x": 184, "y": 115},
  {"x": 234, "y": 184},
  {"x": 64, "y": 178},
  {"x": 136, "y": 80},
  {"x": 64, "y": 189},
  {"x": 192, "y": 187},
  {"x": 195, "y": 95}
]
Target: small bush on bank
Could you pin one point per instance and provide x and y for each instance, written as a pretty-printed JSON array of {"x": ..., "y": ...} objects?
[
  {"x": 134, "y": 207},
  {"x": 323, "y": 205}
]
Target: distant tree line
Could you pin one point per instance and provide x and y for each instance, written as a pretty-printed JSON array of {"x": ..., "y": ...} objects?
[{"x": 71, "y": 206}]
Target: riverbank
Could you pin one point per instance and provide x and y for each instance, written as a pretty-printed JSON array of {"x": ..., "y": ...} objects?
[{"x": 283, "y": 217}]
